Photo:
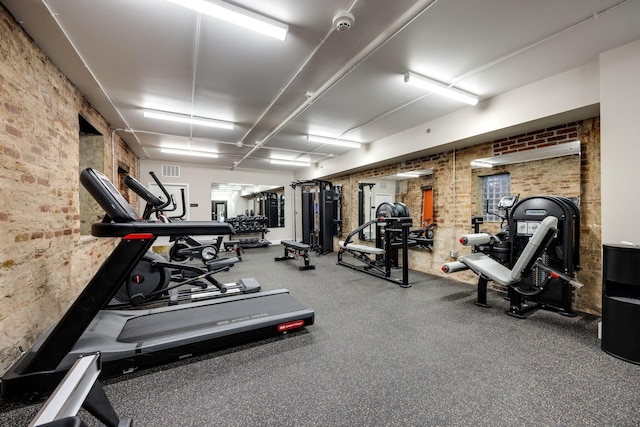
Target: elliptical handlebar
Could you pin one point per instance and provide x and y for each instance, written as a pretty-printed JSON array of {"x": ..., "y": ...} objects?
[
  {"x": 184, "y": 204},
  {"x": 154, "y": 203},
  {"x": 164, "y": 191}
]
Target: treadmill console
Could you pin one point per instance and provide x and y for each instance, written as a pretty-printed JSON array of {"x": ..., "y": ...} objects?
[{"x": 107, "y": 196}]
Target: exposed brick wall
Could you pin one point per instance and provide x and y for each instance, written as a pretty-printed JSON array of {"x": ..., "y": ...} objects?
[
  {"x": 590, "y": 296},
  {"x": 44, "y": 263},
  {"x": 540, "y": 138},
  {"x": 455, "y": 196}
]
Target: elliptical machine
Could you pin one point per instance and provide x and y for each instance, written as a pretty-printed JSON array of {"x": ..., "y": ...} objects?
[
  {"x": 186, "y": 248},
  {"x": 154, "y": 278}
]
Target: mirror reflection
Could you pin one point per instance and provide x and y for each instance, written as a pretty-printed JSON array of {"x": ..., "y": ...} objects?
[
  {"x": 264, "y": 203},
  {"x": 553, "y": 170},
  {"x": 414, "y": 189}
]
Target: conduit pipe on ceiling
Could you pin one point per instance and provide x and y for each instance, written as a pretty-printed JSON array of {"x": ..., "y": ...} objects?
[
  {"x": 385, "y": 36},
  {"x": 54, "y": 15},
  {"x": 534, "y": 44},
  {"x": 491, "y": 63},
  {"x": 194, "y": 75},
  {"x": 293, "y": 77}
]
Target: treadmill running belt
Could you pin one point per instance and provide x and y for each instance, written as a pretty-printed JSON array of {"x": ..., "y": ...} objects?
[{"x": 157, "y": 325}]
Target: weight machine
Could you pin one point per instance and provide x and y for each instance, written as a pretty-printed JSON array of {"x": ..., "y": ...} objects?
[
  {"x": 321, "y": 213},
  {"x": 361, "y": 214},
  {"x": 392, "y": 226},
  {"x": 549, "y": 281}
]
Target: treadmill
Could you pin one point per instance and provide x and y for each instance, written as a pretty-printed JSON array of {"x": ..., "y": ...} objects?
[{"x": 131, "y": 339}]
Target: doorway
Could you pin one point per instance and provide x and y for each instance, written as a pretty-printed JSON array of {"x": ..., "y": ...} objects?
[{"x": 218, "y": 210}]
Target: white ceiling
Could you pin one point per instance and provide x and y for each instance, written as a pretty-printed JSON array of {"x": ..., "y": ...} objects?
[{"x": 126, "y": 55}]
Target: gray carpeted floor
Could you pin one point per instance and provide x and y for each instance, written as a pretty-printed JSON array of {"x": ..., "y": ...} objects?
[{"x": 381, "y": 355}]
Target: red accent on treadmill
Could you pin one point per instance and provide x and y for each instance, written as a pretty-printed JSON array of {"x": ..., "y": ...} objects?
[
  {"x": 295, "y": 324},
  {"x": 138, "y": 236},
  {"x": 554, "y": 275}
]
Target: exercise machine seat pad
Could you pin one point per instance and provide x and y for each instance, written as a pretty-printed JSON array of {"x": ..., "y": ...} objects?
[
  {"x": 488, "y": 267},
  {"x": 361, "y": 248}
]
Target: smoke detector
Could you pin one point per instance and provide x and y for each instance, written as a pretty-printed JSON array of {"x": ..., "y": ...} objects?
[{"x": 343, "y": 21}]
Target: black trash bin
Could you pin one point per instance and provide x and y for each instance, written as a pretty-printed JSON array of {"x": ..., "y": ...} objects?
[{"x": 621, "y": 302}]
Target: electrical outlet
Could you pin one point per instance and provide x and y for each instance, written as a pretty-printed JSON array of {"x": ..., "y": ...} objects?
[{"x": 453, "y": 254}]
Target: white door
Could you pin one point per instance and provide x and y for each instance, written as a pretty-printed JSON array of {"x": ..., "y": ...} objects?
[{"x": 382, "y": 198}]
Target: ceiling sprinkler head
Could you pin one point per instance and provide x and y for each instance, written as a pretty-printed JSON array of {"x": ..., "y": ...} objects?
[{"x": 343, "y": 21}]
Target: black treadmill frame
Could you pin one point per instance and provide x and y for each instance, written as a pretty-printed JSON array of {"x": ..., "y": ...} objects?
[{"x": 42, "y": 368}]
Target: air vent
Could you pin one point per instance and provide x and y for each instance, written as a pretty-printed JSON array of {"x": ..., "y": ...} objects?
[
  {"x": 383, "y": 186},
  {"x": 172, "y": 171}
]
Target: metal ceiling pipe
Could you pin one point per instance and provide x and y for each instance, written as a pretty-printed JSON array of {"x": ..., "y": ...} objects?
[
  {"x": 54, "y": 16},
  {"x": 510, "y": 55},
  {"x": 487, "y": 65},
  {"x": 407, "y": 18}
]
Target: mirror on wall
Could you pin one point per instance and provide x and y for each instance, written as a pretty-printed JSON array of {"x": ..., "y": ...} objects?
[
  {"x": 552, "y": 170},
  {"x": 231, "y": 200},
  {"x": 414, "y": 189}
]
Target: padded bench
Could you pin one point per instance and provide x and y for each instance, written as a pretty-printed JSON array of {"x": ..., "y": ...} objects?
[
  {"x": 293, "y": 249},
  {"x": 361, "y": 248}
]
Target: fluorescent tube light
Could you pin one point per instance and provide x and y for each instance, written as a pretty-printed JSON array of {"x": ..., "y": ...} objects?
[
  {"x": 289, "y": 162},
  {"x": 480, "y": 164},
  {"x": 333, "y": 141},
  {"x": 183, "y": 118},
  {"x": 238, "y": 16},
  {"x": 190, "y": 153},
  {"x": 408, "y": 175},
  {"x": 439, "y": 88}
]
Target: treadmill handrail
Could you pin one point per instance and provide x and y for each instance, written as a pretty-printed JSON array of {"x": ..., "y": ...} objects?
[{"x": 180, "y": 228}]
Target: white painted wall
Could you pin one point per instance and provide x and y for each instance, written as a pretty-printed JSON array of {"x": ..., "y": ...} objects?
[
  {"x": 200, "y": 177},
  {"x": 620, "y": 143}
]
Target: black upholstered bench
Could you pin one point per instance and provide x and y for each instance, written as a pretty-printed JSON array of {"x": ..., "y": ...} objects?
[{"x": 293, "y": 249}]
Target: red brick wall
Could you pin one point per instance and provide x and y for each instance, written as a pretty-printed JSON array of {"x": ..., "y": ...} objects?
[{"x": 540, "y": 138}]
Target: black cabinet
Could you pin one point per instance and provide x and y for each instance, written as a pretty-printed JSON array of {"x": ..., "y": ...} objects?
[{"x": 621, "y": 302}]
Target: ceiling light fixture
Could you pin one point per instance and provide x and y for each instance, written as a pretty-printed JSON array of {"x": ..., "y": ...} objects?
[
  {"x": 289, "y": 162},
  {"x": 440, "y": 88},
  {"x": 238, "y": 16},
  {"x": 408, "y": 174},
  {"x": 194, "y": 153},
  {"x": 480, "y": 164},
  {"x": 183, "y": 118},
  {"x": 333, "y": 141}
]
